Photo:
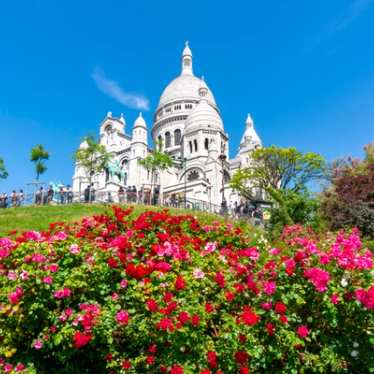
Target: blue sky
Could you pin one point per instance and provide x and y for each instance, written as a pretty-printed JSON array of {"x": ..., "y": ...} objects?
[{"x": 303, "y": 69}]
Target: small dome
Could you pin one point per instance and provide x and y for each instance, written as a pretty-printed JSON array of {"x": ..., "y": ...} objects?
[
  {"x": 184, "y": 87},
  {"x": 139, "y": 122},
  {"x": 250, "y": 137},
  {"x": 204, "y": 116}
]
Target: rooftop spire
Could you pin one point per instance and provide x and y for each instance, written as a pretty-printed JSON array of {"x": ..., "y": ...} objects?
[{"x": 187, "y": 60}]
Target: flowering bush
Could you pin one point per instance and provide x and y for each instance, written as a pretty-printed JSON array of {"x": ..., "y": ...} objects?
[{"x": 168, "y": 294}]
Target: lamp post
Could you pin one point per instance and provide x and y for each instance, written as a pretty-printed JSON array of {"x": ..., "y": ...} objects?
[{"x": 222, "y": 157}]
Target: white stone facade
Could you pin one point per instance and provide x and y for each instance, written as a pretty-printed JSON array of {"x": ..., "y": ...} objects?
[{"x": 188, "y": 125}]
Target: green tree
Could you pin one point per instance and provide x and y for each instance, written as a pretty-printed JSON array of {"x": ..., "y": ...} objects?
[
  {"x": 92, "y": 157},
  {"x": 3, "y": 171},
  {"x": 275, "y": 170},
  {"x": 156, "y": 161},
  {"x": 39, "y": 155}
]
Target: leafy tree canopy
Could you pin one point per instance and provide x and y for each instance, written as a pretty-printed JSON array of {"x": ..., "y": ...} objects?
[
  {"x": 92, "y": 156},
  {"x": 38, "y": 155},
  {"x": 273, "y": 168},
  {"x": 3, "y": 171}
]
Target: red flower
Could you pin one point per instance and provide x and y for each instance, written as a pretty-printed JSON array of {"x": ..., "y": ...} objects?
[
  {"x": 212, "y": 359},
  {"x": 165, "y": 324},
  {"x": 176, "y": 369},
  {"x": 241, "y": 357},
  {"x": 280, "y": 308},
  {"x": 229, "y": 296},
  {"x": 81, "y": 339},
  {"x": 126, "y": 364},
  {"x": 168, "y": 297},
  {"x": 270, "y": 328},
  {"x": 209, "y": 308},
  {"x": 152, "y": 348},
  {"x": 152, "y": 305},
  {"x": 283, "y": 319},
  {"x": 150, "y": 360},
  {"x": 205, "y": 371},
  {"x": 220, "y": 279},
  {"x": 303, "y": 331},
  {"x": 112, "y": 262},
  {"x": 195, "y": 320},
  {"x": 244, "y": 370},
  {"x": 180, "y": 283},
  {"x": 183, "y": 317},
  {"x": 248, "y": 317},
  {"x": 242, "y": 338}
]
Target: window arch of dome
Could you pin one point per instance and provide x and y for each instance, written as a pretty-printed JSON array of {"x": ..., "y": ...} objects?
[
  {"x": 167, "y": 139},
  {"x": 177, "y": 136}
]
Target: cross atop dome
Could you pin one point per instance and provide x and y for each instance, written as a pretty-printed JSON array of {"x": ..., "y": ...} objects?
[{"x": 187, "y": 60}]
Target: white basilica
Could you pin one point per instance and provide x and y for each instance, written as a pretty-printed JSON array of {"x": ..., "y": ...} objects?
[{"x": 188, "y": 125}]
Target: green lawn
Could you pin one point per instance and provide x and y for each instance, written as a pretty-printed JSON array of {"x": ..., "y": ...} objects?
[{"x": 39, "y": 218}]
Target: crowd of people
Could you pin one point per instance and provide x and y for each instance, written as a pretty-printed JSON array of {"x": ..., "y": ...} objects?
[
  {"x": 248, "y": 211},
  {"x": 61, "y": 195},
  {"x": 13, "y": 200}
]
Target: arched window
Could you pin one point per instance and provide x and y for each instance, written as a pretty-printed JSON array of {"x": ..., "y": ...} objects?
[
  {"x": 190, "y": 144},
  {"x": 167, "y": 140},
  {"x": 177, "y": 137},
  {"x": 195, "y": 144},
  {"x": 206, "y": 143},
  {"x": 193, "y": 175},
  {"x": 159, "y": 139}
]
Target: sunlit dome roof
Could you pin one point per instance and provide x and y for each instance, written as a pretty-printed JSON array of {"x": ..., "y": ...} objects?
[{"x": 184, "y": 87}]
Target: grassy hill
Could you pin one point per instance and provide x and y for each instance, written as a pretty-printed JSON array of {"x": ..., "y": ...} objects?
[{"x": 39, "y": 217}]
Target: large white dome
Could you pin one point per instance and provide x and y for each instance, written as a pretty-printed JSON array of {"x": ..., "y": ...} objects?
[{"x": 184, "y": 87}]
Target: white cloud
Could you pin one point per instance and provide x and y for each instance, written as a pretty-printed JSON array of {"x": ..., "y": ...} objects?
[
  {"x": 356, "y": 8},
  {"x": 113, "y": 89}
]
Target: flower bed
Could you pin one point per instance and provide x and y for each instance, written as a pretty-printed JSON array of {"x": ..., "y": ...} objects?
[{"x": 168, "y": 294}]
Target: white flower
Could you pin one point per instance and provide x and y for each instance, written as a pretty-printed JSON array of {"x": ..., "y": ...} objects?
[
  {"x": 344, "y": 282},
  {"x": 354, "y": 353},
  {"x": 355, "y": 344}
]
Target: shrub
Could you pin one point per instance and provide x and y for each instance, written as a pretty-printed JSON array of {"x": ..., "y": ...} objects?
[
  {"x": 166, "y": 294},
  {"x": 350, "y": 199}
]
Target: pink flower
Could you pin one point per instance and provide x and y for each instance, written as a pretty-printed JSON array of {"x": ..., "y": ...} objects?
[
  {"x": 266, "y": 306},
  {"x": 122, "y": 317},
  {"x": 59, "y": 236},
  {"x": 61, "y": 294},
  {"x": 8, "y": 368},
  {"x": 24, "y": 275},
  {"x": 48, "y": 280},
  {"x": 269, "y": 287},
  {"x": 275, "y": 251},
  {"x": 53, "y": 268},
  {"x": 198, "y": 273},
  {"x": 209, "y": 248},
  {"x": 303, "y": 331},
  {"x": 123, "y": 283},
  {"x": 32, "y": 235},
  {"x": 20, "y": 367},
  {"x": 38, "y": 258},
  {"x": 334, "y": 298},
  {"x": 12, "y": 275},
  {"x": 74, "y": 249},
  {"x": 38, "y": 344},
  {"x": 318, "y": 277},
  {"x": 366, "y": 298},
  {"x": 15, "y": 297}
]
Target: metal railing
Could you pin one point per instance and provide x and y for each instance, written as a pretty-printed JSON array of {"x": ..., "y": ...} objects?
[{"x": 101, "y": 197}]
